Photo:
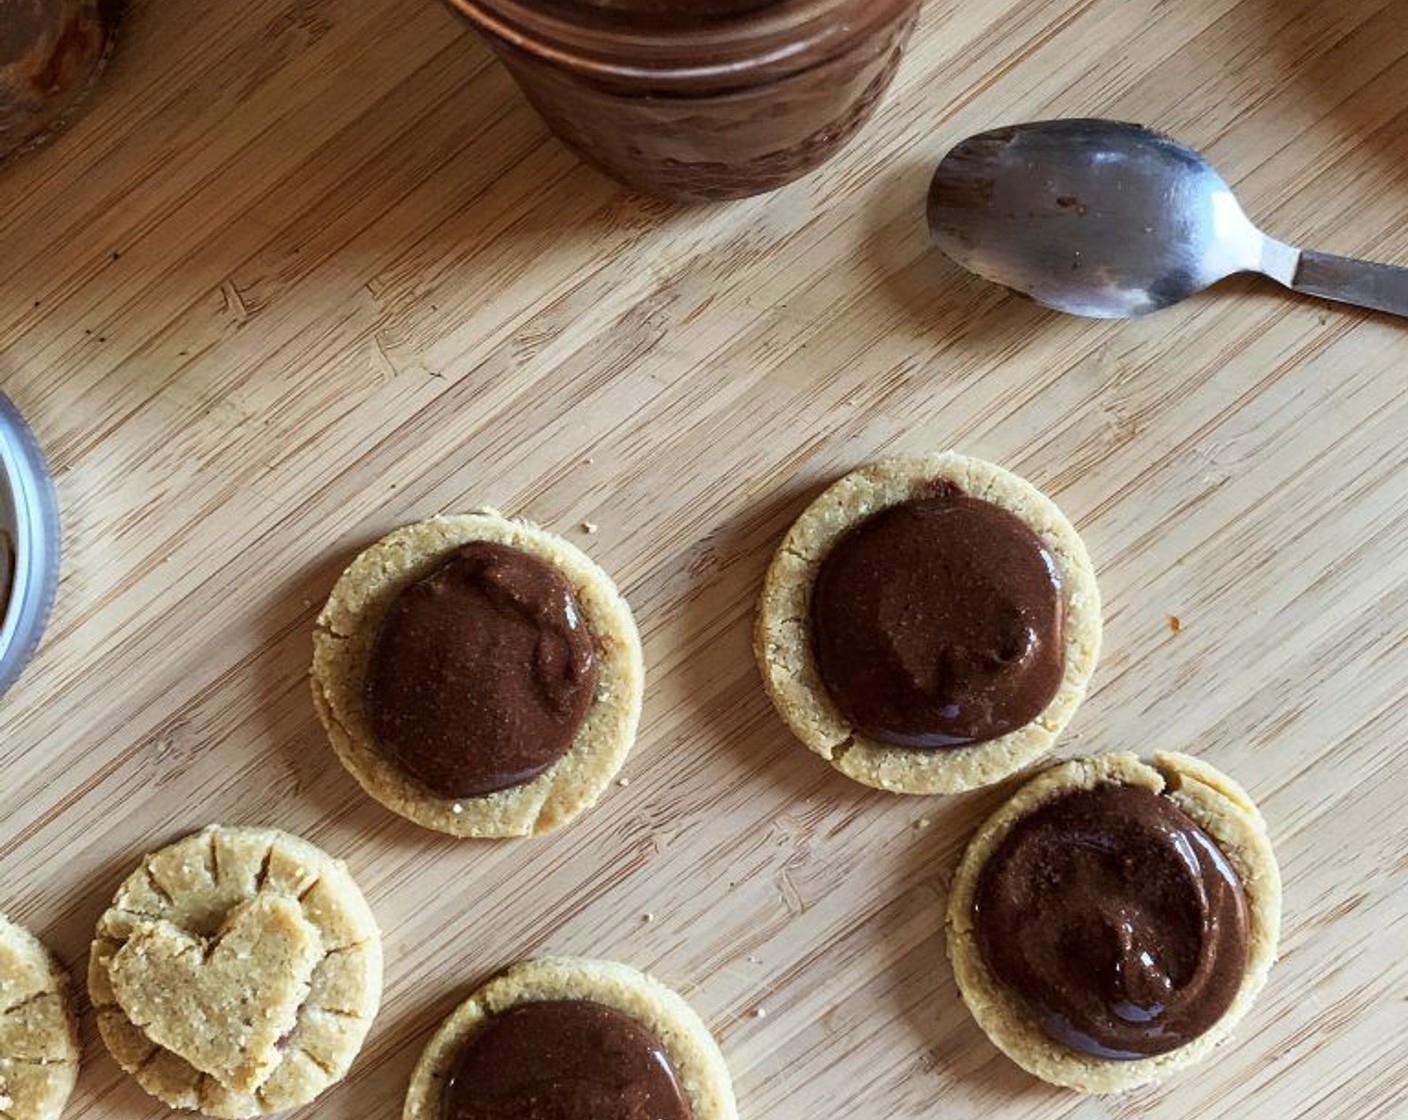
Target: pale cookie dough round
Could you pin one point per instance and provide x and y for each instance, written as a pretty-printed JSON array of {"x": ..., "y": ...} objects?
[
  {"x": 237, "y": 972},
  {"x": 342, "y": 645},
  {"x": 38, "y": 1039},
  {"x": 698, "y": 1064},
  {"x": 1222, "y": 809},
  {"x": 782, "y": 637}
]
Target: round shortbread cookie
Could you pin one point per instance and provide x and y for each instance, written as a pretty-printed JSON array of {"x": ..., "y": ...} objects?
[
  {"x": 342, "y": 645},
  {"x": 237, "y": 972},
  {"x": 38, "y": 1038},
  {"x": 1222, "y": 809},
  {"x": 698, "y": 1064},
  {"x": 783, "y": 646}
]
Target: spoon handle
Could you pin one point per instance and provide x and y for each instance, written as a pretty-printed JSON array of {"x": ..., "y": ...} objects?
[{"x": 1380, "y": 287}]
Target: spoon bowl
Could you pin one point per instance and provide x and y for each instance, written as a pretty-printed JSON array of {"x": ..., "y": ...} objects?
[{"x": 1112, "y": 220}]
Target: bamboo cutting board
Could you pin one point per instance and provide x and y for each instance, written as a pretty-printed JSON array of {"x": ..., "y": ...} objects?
[{"x": 310, "y": 270}]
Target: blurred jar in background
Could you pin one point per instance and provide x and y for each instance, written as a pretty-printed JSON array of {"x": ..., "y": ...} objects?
[
  {"x": 700, "y": 99},
  {"x": 51, "y": 53}
]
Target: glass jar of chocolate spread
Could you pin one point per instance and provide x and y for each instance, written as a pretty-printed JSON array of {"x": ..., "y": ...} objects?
[
  {"x": 700, "y": 99},
  {"x": 51, "y": 53}
]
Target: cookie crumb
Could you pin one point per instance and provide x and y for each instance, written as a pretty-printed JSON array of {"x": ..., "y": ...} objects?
[
  {"x": 623, "y": 782},
  {"x": 922, "y": 822},
  {"x": 1175, "y": 624},
  {"x": 648, "y": 917},
  {"x": 760, "y": 1012},
  {"x": 457, "y": 808},
  {"x": 589, "y": 527}
]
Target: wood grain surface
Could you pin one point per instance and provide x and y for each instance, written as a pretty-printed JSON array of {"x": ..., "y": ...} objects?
[{"x": 312, "y": 269}]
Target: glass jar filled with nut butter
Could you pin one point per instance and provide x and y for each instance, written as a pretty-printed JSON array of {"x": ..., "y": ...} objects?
[{"x": 700, "y": 99}]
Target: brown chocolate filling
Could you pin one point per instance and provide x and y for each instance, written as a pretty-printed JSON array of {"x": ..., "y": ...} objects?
[
  {"x": 563, "y": 1060},
  {"x": 481, "y": 673},
  {"x": 1115, "y": 920},
  {"x": 939, "y": 623}
]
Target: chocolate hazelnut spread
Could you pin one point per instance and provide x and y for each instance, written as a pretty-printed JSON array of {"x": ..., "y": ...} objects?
[
  {"x": 939, "y": 623},
  {"x": 51, "y": 52},
  {"x": 481, "y": 673},
  {"x": 563, "y": 1060},
  {"x": 1115, "y": 920},
  {"x": 715, "y": 99}
]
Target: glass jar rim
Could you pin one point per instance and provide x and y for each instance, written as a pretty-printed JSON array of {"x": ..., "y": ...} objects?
[
  {"x": 29, "y": 534},
  {"x": 783, "y": 38}
]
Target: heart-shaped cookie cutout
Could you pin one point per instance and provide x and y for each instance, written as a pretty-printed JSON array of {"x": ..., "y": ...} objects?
[{"x": 221, "y": 1004}]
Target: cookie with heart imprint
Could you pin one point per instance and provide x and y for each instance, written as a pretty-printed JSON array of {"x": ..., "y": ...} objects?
[
  {"x": 237, "y": 972},
  {"x": 38, "y": 1039}
]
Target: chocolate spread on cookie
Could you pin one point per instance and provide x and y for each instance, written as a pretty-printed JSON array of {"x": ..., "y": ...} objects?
[
  {"x": 563, "y": 1060},
  {"x": 1115, "y": 920},
  {"x": 481, "y": 673},
  {"x": 939, "y": 622}
]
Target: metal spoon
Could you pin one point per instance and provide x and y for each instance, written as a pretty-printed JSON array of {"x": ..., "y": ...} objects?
[{"x": 1112, "y": 220}]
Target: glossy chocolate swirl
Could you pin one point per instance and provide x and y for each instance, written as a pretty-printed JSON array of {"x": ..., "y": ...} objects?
[
  {"x": 481, "y": 673},
  {"x": 939, "y": 623},
  {"x": 1115, "y": 920},
  {"x": 563, "y": 1060}
]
